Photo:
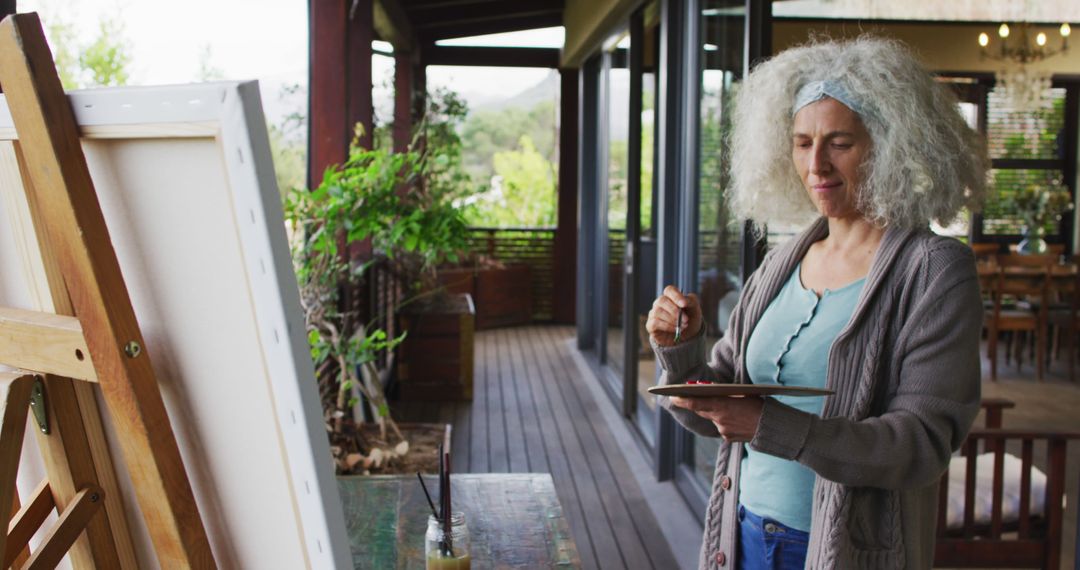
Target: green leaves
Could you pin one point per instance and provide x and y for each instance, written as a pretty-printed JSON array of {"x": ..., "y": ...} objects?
[
  {"x": 403, "y": 204},
  {"x": 1040, "y": 204}
]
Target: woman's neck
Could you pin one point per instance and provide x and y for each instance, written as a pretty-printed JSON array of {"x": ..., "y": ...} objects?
[
  {"x": 844, "y": 256},
  {"x": 852, "y": 237}
]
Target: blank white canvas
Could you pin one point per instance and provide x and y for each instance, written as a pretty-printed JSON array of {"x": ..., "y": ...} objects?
[{"x": 186, "y": 184}]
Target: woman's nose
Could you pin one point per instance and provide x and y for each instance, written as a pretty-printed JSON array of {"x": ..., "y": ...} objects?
[{"x": 819, "y": 161}]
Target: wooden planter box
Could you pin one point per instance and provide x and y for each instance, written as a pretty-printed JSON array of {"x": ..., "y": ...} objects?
[
  {"x": 423, "y": 456},
  {"x": 503, "y": 296},
  {"x": 436, "y": 358},
  {"x": 458, "y": 280}
]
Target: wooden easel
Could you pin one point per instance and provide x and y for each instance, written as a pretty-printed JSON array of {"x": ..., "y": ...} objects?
[{"x": 93, "y": 338}]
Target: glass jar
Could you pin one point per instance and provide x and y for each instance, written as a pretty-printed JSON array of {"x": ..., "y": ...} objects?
[{"x": 443, "y": 554}]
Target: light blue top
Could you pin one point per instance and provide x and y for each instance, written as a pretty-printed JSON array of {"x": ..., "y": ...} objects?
[{"x": 790, "y": 346}]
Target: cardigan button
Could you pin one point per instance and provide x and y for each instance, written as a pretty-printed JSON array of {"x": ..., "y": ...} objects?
[
  {"x": 725, "y": 483},
  {"x": 721, "y": 558}
]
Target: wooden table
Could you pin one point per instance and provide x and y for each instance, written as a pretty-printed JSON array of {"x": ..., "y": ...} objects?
[{"x": 514, "y": 520}]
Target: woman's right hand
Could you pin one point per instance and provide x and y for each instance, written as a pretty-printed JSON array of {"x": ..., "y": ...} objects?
[{"x": 665, "y": 311}]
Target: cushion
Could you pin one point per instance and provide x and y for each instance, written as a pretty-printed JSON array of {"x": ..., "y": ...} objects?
[{"x": 984, "y": 487}]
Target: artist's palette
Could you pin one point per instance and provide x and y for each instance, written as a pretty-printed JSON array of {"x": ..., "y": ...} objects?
[{"x": 707, "y": 390}]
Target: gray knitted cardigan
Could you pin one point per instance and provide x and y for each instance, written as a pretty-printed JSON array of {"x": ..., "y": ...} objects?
[{"x": 906, "y": 374}]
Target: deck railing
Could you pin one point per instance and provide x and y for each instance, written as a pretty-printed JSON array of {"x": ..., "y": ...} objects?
[{"x": 534, "y": 247}]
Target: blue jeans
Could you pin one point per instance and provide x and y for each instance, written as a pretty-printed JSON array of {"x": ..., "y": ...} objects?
[{"x": 765, "y": 544}]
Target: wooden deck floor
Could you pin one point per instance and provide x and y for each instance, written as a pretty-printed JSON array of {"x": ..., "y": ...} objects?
[{"x": 531, "y": 413}]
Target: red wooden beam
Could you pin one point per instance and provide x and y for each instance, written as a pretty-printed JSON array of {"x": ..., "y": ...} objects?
[
  {"x": 420, "y": 90},
  {"x": 328, "y": 126},
  {"x": 492, "y": 56},
  {"x": 403, "y": 95},
  {"x": 565, "y": 262},
  {"x": 361, "y": 32}
]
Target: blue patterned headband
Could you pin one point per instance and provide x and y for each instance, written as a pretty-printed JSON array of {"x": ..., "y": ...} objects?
[{"x": 818, "y": 90}]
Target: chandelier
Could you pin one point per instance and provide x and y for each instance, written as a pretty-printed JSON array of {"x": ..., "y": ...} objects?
[{"x": 1024, "y": 87}]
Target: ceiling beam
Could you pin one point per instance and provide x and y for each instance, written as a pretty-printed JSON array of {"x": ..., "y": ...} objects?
[
  {"x": 421, "y": 5},
  {"x": 479, "y": 18},
  {"x": 392, "y": 24},
  {"x": 479, "y": 28},
  {"x": 479, "y": 12},
  {"x": 491, "y": 56}
]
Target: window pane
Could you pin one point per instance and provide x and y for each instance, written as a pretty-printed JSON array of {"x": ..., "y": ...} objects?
[
  {"x": 1015, "y": 134},
  {"x": 999, "y": 217},
  {"x": 719, "y": 234},
  {"x": 617, "y": 88},
  {"x": 646, "y": 277}
]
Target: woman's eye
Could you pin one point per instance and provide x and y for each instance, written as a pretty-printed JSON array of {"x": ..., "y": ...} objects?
[
  {"x": 842, "y": 146},
  {"x": 803, "y": 145}
]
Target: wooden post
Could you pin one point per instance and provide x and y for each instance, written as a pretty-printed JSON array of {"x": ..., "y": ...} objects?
[
  {"x": 360, "y": 109},
  {"x": 403, "y": 100},
  {"x": 565, "y": 262},
  {"x": 361, "y": 32},
  {"x": 61, "y": 185},
  {"x": 329, "y": 130},
  {"x": 419, "y": 91}
]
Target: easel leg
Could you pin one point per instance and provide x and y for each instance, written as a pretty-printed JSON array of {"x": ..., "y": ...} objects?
[
  {"x": 25, "y": 523},
  {"x": 15, "y": 399},
  {"x": 73, "y": 520},
  {"x": 76, "y": 451},
  {"x": 23, "y": 553},
  {"x": 80, "y": 240}
]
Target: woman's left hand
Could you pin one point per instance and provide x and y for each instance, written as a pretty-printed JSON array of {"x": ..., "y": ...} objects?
[{"x": 735, "y": 418}]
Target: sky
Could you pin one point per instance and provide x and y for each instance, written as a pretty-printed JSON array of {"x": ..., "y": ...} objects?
[{"x": 261, "y": 39}]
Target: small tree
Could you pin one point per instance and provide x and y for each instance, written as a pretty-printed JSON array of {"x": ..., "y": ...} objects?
[
  {"x": 107, "y": 58},
  {"x": 353, "y": 202},
  {"x": 402, "y": 202},
  {"x": 103, "y": 62}
]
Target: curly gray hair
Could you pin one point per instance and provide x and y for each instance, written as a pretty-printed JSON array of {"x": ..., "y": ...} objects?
[{"x": 925, "y": 162}]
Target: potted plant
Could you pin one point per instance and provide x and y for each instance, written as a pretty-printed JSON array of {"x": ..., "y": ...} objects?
[
  {"x": 1039, "y": 205},
  {"x": 383, "y": 197},
  {"x": 436, "y": 359}
]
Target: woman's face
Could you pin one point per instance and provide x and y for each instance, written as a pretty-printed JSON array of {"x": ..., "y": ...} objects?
[{"x": 829, "y": 146}]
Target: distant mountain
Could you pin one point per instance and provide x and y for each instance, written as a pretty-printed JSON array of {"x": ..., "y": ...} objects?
[{"x": 546, "y": 89}]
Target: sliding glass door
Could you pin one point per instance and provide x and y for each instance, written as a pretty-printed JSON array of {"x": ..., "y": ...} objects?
[
  {"x": 627, "y": 112},
  {"x": 641, "y": 219}
]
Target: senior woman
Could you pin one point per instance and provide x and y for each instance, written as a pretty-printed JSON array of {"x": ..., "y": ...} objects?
[{"x": 866, "y": 302}]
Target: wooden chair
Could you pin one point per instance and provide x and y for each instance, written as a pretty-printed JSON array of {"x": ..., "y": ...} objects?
[
  {"x": 1025, "y": 277},
  {"x": 1063, "y": 314},
  {"x": 986, "y": 265},
  {"x": 986, "y": 251},
  {"x": 1013, "y": 537}
]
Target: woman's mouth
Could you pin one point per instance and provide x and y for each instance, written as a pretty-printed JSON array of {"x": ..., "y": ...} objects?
[{"x": 826, "y": 186}]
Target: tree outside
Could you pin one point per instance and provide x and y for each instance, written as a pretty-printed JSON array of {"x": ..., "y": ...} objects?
[
  {"x": 511, "y": 156},
  {"x": 522, "y": 191},
  {"x": 103, "y": 62}
]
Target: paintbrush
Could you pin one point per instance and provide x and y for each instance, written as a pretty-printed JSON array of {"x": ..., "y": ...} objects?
[
  {"x": 444, "y": 513},
  {"x": 430, "y": 503},
  {"x": 449, "y": 508},
  {"x": 678, "y": 327}
]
